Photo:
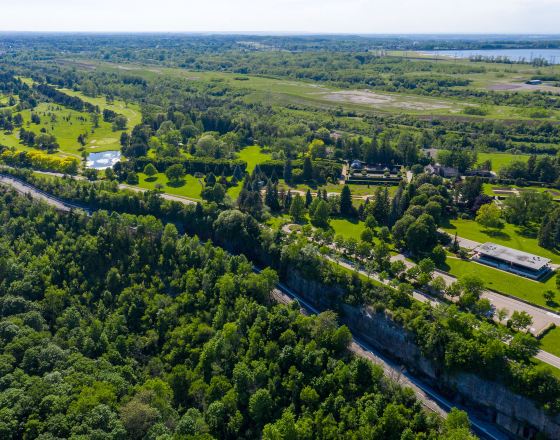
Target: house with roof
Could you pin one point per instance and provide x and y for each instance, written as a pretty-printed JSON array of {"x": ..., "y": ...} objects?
[
  {"x": 511, "y": 260},
  {"x": 443, "y": 171}
]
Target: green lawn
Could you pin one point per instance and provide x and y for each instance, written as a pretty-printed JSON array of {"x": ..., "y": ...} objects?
[
  {"x": 510, "y": 236},
  {"x": 189, "y": 187},
  {"x": 347, "y": 228},
  {"x": 130, "y": 110},
  {"x": 253, "y": 156},
  {"x": 66, "y": 125},
  {"x": 501, "y": 281},
  {"x": 499, "y": 160},
  {"x": 551, "y": 341}
]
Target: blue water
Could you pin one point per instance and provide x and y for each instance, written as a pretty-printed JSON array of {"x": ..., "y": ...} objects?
[
  {"x": 105, "y": 159},
  {"x": 550, "y": 55}
]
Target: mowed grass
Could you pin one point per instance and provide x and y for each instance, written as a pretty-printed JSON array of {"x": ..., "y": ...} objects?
[
  {"x": 66, "y": 125},
  {"x": 551, "y": 341},
  {"x": 504, "y": 282},
  {"x": 500, "y": 160},
  {"x": 253, "y": 156},
  {"x": 347, "y": 228},
  {"x": 189, "y": 186},
  {"x": 511, "y": 236},
  {"x": 130, "y": 110}
]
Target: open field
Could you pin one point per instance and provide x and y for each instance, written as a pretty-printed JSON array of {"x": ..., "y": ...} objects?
[
  {"x": 499, "y": 160},
  {"x": 347, "y": 228},
  {"x": 253, "y": 156},
  {"x": 189, "y": 186},
  {"x": 501, "y": 281},
  {"x": 130, "y": 110},
  {"x": 288, "y": 91},
  {"x": 510, "y": 236},
  {"x": 67, "y": 124},
  {"x": 509, "y": 190}
]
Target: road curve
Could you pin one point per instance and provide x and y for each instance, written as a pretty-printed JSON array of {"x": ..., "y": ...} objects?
[{"x": 26, "y": 189}]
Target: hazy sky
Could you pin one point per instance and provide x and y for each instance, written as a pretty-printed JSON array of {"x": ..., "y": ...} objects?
[{"x": 325, "y": 16}]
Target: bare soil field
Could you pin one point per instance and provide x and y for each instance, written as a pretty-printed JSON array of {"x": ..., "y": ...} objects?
[{"x": 365, "y": 97}]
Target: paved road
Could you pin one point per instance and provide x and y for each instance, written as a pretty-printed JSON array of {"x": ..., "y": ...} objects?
[
  {"x": 165, "y": 196},
  {"x": 542, "y": 318},
  {"x": 430, "y": 398},
  {"x": 26, "y": 189}
]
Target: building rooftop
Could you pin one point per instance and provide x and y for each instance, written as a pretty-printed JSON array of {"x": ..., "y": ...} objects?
[{"x": 513, "y": 256}]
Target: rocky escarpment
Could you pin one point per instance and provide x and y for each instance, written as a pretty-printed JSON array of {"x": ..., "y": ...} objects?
[{"x": 491, "y": 400}]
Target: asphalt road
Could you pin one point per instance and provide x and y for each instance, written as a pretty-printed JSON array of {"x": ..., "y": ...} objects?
[
  {"x": 430, "y": 398},
  {"x": 26, "y": 189}
]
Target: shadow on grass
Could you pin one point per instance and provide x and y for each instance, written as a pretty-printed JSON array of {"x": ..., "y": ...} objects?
[
  {"x": 496, "y": 234},
  {"x": 528, "y": 231},
  {"x": 176, "y": 183},
  {"x": 446, "y": 224},
  {"x": 151, "y": 179}
]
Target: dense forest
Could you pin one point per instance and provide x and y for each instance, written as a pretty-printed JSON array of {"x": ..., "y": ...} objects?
[{"x": 116, "y": 325}]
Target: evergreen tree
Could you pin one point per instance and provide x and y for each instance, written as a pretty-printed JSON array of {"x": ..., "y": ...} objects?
[
  {"x": 297, "y": 208},
  {"x": 381, "y": 205},
  {"x": 346, "y": 207},
  {"x": 237, "y": 173},
  {"x": 308, "y": 198},
  {"x": 288, "y": 200},
  {"x": 271, "y": 197},
  {"x": 288, "y": 171},
  {"x": 320, "y": 215},
  {"x": 307, "y": 169}
]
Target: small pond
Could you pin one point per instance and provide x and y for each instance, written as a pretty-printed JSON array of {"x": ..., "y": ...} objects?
[{"x": 102, "y": 160}]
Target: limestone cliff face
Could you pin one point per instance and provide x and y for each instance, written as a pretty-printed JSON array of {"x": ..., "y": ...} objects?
[{"x": 491, "y": 400}]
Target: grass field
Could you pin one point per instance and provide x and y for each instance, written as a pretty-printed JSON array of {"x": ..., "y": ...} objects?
[
  {"x": 130, "y": 110},
  {"x": 347, "y": 228},
  {"x": 494, "y": 190},
  {"x": 253, "y": 156},
  {"x": 501, "y": 281},
  {"x": 189, "y": 187},
  {"x": 510, "y": 236},
  {"x": 67, "y": 124},
  {"x": 499, "y": 160},
  {"x": 551, "y": 341},
  {"x": 289, "y": 91}
]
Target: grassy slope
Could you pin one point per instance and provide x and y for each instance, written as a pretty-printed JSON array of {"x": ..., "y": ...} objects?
[
  {"x": 501, "y": 281},
  {"x": 69, "y": 124},
  {"x": 510, "y": 236},
  {"x": 131, "y": 111}
]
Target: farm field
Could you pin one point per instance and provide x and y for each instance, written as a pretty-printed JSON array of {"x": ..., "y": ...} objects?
[
  {"x": 503, "y": 282},
  {"x": 289, "y": 91},
  {"x": 509, "y": 236}
]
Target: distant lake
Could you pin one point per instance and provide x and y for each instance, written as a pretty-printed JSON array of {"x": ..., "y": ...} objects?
[
  {"x": 102, "y": 160},
  {"x": 550, "y": 55}
]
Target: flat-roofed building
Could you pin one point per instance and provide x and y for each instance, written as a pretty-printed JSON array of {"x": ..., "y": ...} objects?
[{"x": 512, "y": 260}]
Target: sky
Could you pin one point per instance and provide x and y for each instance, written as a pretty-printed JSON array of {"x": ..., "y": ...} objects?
[{"x": 292, "y": 16}]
